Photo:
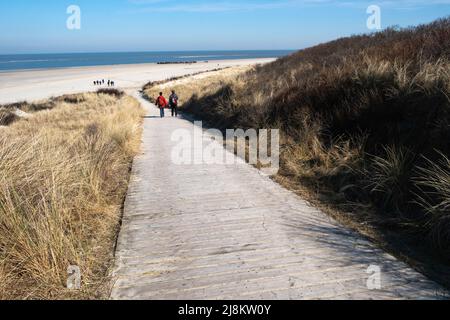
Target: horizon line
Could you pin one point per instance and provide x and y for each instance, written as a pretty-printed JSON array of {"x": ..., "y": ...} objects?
[{"x": 149, "y": 51}]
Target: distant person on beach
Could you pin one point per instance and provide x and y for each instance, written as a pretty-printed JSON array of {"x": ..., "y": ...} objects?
[
  {"x": 161, "y": 103},
  {"x": 173, "y": 103},
  {"x": 112, "y": 84},
  {"x": 109, "y": 83}
]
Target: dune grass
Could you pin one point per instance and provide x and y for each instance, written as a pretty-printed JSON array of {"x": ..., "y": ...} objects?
[
  {"x": 63, "y": 177},
  {"x": 199, "y": 84},
  {"x": 365, "y": 127}
]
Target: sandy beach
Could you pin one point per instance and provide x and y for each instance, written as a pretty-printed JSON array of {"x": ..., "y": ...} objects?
[{"x": 40, "y": 84}]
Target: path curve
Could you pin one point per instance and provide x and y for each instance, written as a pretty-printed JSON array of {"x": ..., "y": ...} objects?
[{"x": 227, "y": 232}]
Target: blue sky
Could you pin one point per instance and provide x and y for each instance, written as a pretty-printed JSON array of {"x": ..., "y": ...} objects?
[{"x": 39, "y": 26}]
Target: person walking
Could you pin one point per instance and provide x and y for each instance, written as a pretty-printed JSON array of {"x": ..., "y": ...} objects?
[
  {"x": 161, "y": 103},
  {"x": 173, "y": 103}
]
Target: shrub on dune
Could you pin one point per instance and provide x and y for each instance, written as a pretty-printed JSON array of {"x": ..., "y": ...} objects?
[{"x": 7, "y": 117}]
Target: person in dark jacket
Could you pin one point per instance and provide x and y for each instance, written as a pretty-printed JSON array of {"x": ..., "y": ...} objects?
[{"x": 173, "y": 103}]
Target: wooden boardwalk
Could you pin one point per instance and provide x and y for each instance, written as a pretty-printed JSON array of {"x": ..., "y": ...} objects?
[{"x": 227, "y": 232}]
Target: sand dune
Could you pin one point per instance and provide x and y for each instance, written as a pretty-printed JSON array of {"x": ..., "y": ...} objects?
[{"x": 40, "y": 84}]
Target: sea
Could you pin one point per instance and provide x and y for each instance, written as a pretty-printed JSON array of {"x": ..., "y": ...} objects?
[{"x": 12, "y": 62}]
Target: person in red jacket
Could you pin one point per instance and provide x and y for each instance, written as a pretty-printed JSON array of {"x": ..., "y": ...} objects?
[{"x": 161, "y": 103}]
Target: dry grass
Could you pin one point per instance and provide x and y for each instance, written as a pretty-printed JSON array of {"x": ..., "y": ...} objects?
[
  {"x": 63, "y": 179},
  {"x": 204, "y": 84},
  {"x": 365, "y": 125},
  {"x": 181, "y": 79},
  {"x": 434, "y": 182}
]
